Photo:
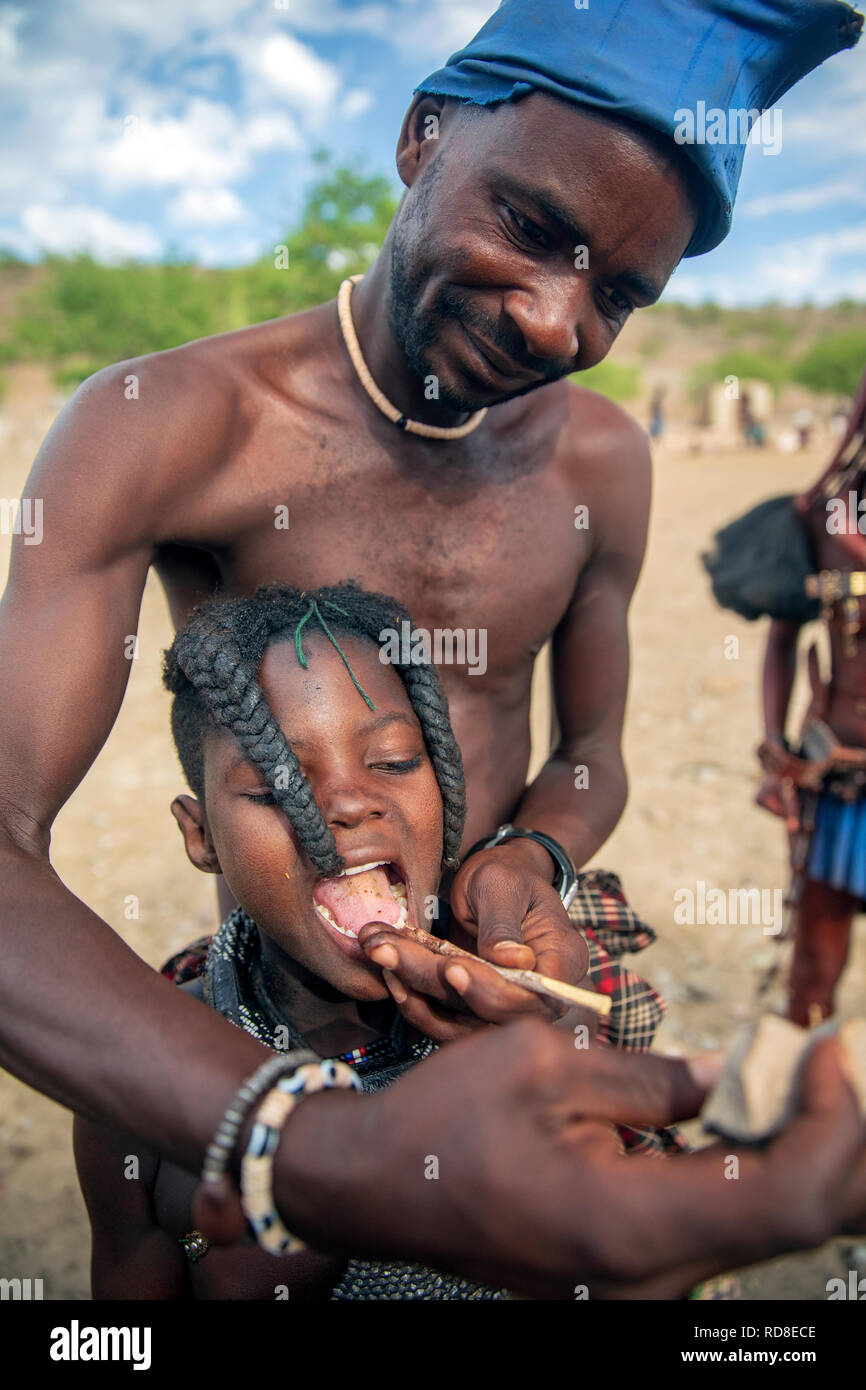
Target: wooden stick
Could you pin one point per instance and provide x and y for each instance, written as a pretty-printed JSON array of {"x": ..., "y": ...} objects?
[{"x": 526, "y": 979}]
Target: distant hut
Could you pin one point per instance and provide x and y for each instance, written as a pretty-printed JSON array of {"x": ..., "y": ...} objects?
[{"x": 722, "y": 409}]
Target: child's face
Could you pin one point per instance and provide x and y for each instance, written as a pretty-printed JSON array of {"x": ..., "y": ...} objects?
[{"x": 375, "y": 786}]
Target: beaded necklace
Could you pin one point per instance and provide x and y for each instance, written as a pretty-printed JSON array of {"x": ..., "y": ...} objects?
[
  {"x": 233, "y": 984},
  {"x": 379, "y": 399}
]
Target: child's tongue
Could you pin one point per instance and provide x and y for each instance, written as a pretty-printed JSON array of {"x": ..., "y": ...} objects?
[{"x": 354, "y": 899}]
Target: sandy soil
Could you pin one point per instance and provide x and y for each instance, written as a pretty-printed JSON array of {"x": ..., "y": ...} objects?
[{"x": 692, "y": 725}]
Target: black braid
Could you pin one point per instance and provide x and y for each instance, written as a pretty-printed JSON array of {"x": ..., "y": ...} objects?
[{"x": 212, "y": 669}]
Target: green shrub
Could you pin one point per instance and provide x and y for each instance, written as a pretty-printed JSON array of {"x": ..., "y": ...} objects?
[
  {"x": 82, "y": 315},
  {"x": 761, "y": 366},
  {"x": 612, "y": 379},
  {"x": 834, "y": 363}
]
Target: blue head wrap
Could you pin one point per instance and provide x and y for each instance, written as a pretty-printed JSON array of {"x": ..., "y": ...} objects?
[{"x": 658, "y": 62}]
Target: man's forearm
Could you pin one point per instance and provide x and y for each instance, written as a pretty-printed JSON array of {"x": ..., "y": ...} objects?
[
  {"x": 85, "y": 1021},
  {"x": 577, "y": 802},
  {"x": 780, "y": 662}
]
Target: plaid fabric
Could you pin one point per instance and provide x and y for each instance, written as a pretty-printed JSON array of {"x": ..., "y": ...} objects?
[
  {"x": 187, "y": 964},
  {"x": 612, "y": 928}
]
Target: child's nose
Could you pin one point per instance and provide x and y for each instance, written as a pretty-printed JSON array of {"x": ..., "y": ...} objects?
[{"x": 347, "y": 805}]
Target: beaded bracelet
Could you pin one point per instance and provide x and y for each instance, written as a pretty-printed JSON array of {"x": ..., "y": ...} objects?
[
  {"x": 219, "y": 1150},
  {"x": 257, "y": 1165}
]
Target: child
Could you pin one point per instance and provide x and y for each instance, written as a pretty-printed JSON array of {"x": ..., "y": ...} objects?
[{"x": 370, "y": 779}]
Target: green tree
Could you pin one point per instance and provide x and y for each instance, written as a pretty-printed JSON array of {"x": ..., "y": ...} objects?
[
  {"x": 760, "y": 366},
  {"x": 80, "y": 315},
  {"x": 618, "y": 381},
  {"x": 343, "y": 223},
  {"x": 834, "y": 363}
]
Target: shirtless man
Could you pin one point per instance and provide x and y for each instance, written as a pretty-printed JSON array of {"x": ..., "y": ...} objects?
[
  {"x": 834, "y": 874},
  {"x": 476, "y": 286}
]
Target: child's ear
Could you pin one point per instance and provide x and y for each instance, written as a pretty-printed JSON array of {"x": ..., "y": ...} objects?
[{"x": 190, "y": 816}]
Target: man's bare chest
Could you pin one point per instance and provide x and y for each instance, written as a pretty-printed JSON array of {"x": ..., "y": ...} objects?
[{"x": 488, "y": 541}]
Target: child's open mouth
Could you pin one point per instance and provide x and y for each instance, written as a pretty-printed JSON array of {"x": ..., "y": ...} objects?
[{"x": 367, "y": 893}]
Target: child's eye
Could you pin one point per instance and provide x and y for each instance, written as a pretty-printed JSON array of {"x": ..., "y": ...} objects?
[{"x": 406, "y": 765}]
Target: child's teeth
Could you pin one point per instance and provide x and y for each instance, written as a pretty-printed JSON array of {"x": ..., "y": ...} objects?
[
  {"x": 362, "y": 868},
  {"x": 331, "y": 922}
]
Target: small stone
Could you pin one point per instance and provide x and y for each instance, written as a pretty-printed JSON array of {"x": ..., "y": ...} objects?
[
  {"x": 755, "y": 1096},
  {"x": 758, "y": 1092}
]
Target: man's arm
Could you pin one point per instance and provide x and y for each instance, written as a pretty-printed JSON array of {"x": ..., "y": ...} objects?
[
  {"x": 780, "y": 665},
  {"x": 560, "y": 1201},
  {"x": 776, "y": 793},
  {"x": 96, "y": 1028},
  {"x": 579, "y": 794}
]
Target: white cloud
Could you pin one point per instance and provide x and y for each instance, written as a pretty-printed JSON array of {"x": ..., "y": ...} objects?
[
  {"x": 834, "y": 120},
  {"x": 293, "y": 70},
  {"x": 801, "y": 268},
  {"x": 10, "y": 22},
  {"x": 356, "y": 102},
  {"x": 210, "y": 251},
  {"x": 804, "y": 266},
  {"x": 67, "y": 229},
  {"x": 426, "y": 30},
  {"x": 816, "y": 196},
  {"x": 97, "y": 104},
  {"x": 170, "y": 24},
  {"x": 211, "y": 207},
  {"x": 209, "y": 144},
  {"x": 271, "y": 130},
  {"x": 439, "y": 27},
  {"x": 171, "y": 150}
]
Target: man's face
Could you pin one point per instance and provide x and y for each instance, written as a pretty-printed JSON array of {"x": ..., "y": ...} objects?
[
  {"x": 528, "y": 235},
  {"x": 375, "y": 786}
]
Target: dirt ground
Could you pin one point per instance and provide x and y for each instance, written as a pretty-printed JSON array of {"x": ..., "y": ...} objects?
[{"x": 692, "y": 726}]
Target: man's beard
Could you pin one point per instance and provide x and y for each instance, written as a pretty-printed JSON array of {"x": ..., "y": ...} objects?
[{"x": 416, "y": 333}]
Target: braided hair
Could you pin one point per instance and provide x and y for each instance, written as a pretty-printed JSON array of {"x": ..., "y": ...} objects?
[{"x": 212, "y": 669}]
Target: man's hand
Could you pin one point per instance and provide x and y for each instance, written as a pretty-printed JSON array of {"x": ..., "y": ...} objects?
[
  {"x": 530, "y": 1188},
  {"x": 500, "y": 898},
  {"x": 504, "y": 899},
  {"x": 516, "y": 1120},
  {"x": 778, "y": 795}
]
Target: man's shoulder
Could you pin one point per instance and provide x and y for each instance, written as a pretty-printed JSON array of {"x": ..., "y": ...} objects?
[
  {"x": 601, "y": 429},
  {"x": 219, "y": 373},
  {"x": 585, "y": 425},
  {"x": 605, "y": 455}
]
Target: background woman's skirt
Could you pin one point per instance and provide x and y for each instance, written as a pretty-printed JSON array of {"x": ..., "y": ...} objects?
[{"x": 838, "y": 852}]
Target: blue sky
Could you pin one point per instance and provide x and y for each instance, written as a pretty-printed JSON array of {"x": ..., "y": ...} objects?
[{"x": 135, "y": 126}]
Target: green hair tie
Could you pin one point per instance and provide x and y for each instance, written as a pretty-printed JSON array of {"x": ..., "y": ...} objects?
[{"x": 315, "y": 611}]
